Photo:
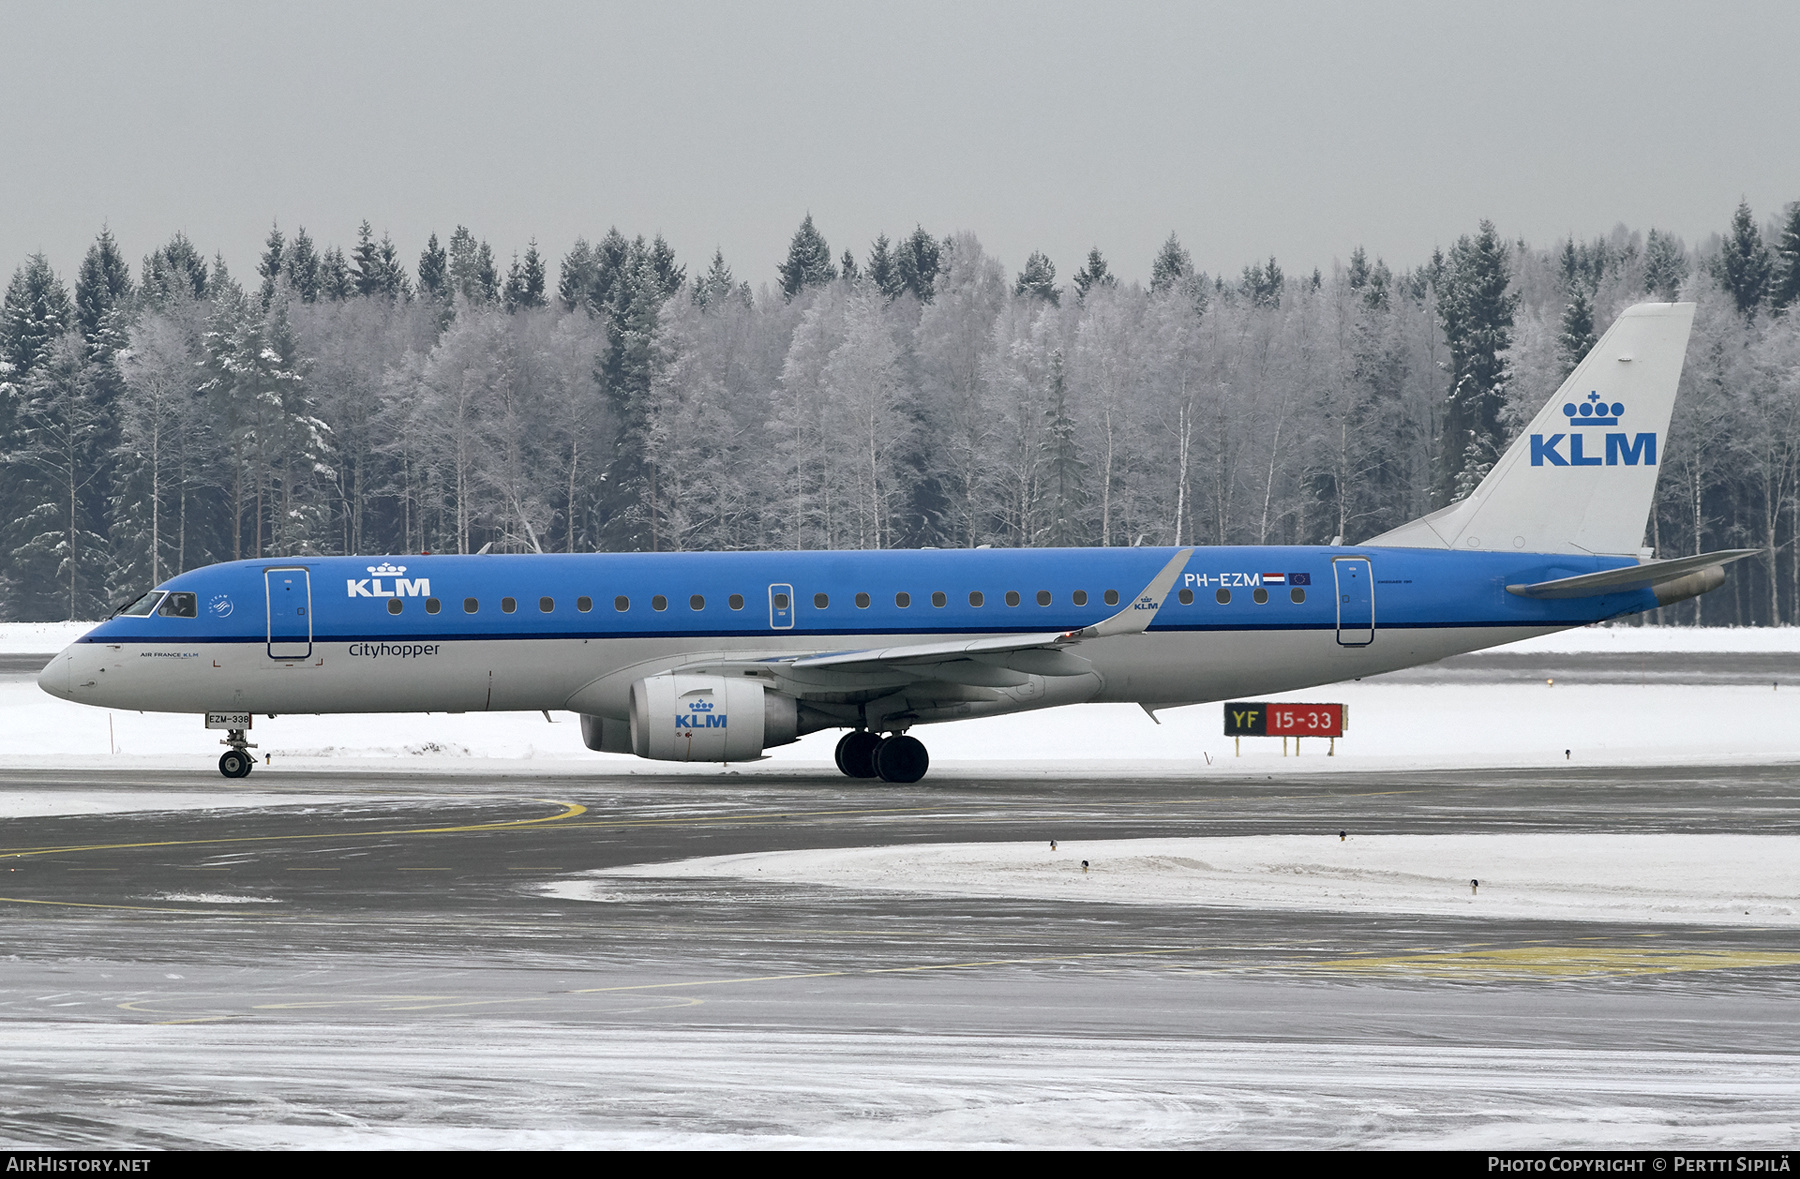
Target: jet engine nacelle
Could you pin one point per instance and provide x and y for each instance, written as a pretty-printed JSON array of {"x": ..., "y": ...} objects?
[{"x": 708, "y": 718}]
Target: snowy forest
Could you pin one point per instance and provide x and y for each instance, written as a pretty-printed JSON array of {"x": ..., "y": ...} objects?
[{"x": 921, "y": 393}]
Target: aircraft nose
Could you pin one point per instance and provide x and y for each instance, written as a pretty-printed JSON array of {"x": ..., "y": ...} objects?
[{"x": 54, "y": 679}]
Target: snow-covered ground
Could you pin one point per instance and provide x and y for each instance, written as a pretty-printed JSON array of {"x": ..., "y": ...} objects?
[
  {"x": 1392, "y": 726},
  {"x": 1713, "y": 879},
  {"x": 517, "y": 1084}
]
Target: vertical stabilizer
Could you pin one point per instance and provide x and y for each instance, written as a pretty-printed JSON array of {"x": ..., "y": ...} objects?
[{"x": 1581, "y": 478}]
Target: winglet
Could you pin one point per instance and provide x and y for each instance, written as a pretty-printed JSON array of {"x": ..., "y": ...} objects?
[{"x": 1137, "y": 617}]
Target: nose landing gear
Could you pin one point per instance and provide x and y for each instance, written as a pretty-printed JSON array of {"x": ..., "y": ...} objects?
[
  {"x": 236, "y": 761},
  {"x": 899, "y": 758}
]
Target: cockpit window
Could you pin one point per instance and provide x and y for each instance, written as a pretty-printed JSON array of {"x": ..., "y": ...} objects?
[
  {"x": 180, "y": 606},
  {"x": 140, "y": 608}
]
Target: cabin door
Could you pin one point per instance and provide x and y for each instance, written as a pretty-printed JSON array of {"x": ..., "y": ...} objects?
[
  {"x": 289, "y": 596},
  {"x": 1355, "y": 601}
]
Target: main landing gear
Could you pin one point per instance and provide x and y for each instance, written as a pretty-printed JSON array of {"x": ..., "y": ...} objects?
[
  {"x": 862, "y": 754},
  {"x": 236, "y": 761}
]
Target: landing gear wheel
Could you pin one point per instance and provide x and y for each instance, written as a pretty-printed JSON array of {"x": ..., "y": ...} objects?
[
  {"x": 901, "y": 759},
  {"x": 856, "y": 753},
  {"x": 235, "y": 763}
]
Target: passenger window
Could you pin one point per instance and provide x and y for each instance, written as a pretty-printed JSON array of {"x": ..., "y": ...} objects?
[
  {"x": 696, "y": 603},
  {"x": 508, "y": 605},
  {"x": 395, "y": 605},
  {"x": 1043, "y": 597},
  {"x": 432, "y": 605},
  {"x": 144, "y": 606},
  {"x": 862, "y": 601},
  {"x": 584, "y": 604},
  {"x": 1186, "y": 597},
  {"x": 470, "y": 605},
  {"x": 735, "y": 601},
  {"x": 820, "y": 601},
  {"x": 1297, "y": 595},
  {"x": 781, "y": 601},
  {"x": 975, "y": 598},
  {"x": 1079, "y": 598},
  {"x": 1112, "y": 597},
  {"x": 1012, "y": 597},
  {"x": 659, "y": 603},
  {"x": 903, "y": 599},
  {"x": 621, "y": 603},
  {"x": 179, "y": 606},
  {"x": 939, "y": 600},
  {"x": 546, "y": 605},
  {"x": 1223, "y": 597},
  {"x": 1260, "y": 596}
]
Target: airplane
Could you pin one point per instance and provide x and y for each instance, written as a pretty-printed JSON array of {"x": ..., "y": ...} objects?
[{"x": 717, "y": 657}]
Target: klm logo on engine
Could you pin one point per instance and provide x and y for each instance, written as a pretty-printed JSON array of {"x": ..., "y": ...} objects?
[
  {"x": 1627, "y": 449},
  {"x": 370, "y": 587},
  {"x": 700, "y": 715}
]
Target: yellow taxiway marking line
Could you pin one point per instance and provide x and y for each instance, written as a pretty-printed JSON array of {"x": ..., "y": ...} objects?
[
  {"x": 1542, "y": 961},
  {"x": 569, "y": 811}
]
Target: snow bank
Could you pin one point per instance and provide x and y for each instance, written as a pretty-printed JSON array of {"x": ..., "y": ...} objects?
[
  {"x": 1712, "y": 879},
  {"x": 1636, "y": 640},
  {"x": 1393, "y": 726}
]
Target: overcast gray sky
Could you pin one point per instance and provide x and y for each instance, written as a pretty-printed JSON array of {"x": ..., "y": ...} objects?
[{"x": 1298, "y": 130}]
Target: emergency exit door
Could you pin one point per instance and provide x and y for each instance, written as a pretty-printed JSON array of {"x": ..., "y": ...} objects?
[{"x": 289, "y": 596}]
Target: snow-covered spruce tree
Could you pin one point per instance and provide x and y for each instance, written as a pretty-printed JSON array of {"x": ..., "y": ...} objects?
[
  {"x": 300, "y": 263},
  {"x": 632, "y": 315},
  {"x": 35, "y": 314},
  {"x": 1577, "y": 337},
  {"x": 434, "y": 273},
  {"x": 1743, "y": 266},
  {"x": 336, "y": 282},
  {"x": 1262, "y": 285},
  {"x": 1171, "y": 266},
  {"x": 376, "y": 269},
  {"x": 270, "y": 265},
  {"x": 884, "y": 275},
  {"x": 1094, "y": 274},
  {"x": 1477, "y": 313},
  {"x": 177, "y": 266},
  {"x": 1038, "y": 280},
  {"x": 718, "y": 284},
  {"x": 576, "y": 276},
  {"x": 1785, "y": 291},
  {"x": 917, "y": 260},
  {"x": 102, "y": 286},
  {"x": 808, "y": 262},
  {"x": 1665, "y": 265}
]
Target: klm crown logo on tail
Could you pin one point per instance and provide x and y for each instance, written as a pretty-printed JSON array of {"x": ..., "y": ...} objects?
[{"x": 1594, "y": 411}]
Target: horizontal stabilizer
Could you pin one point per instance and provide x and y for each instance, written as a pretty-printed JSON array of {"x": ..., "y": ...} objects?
[{"x": 1589, "y": 585}]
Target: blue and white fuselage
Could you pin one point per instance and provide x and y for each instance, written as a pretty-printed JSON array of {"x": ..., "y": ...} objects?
[{"x": 574, "y": 632}]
